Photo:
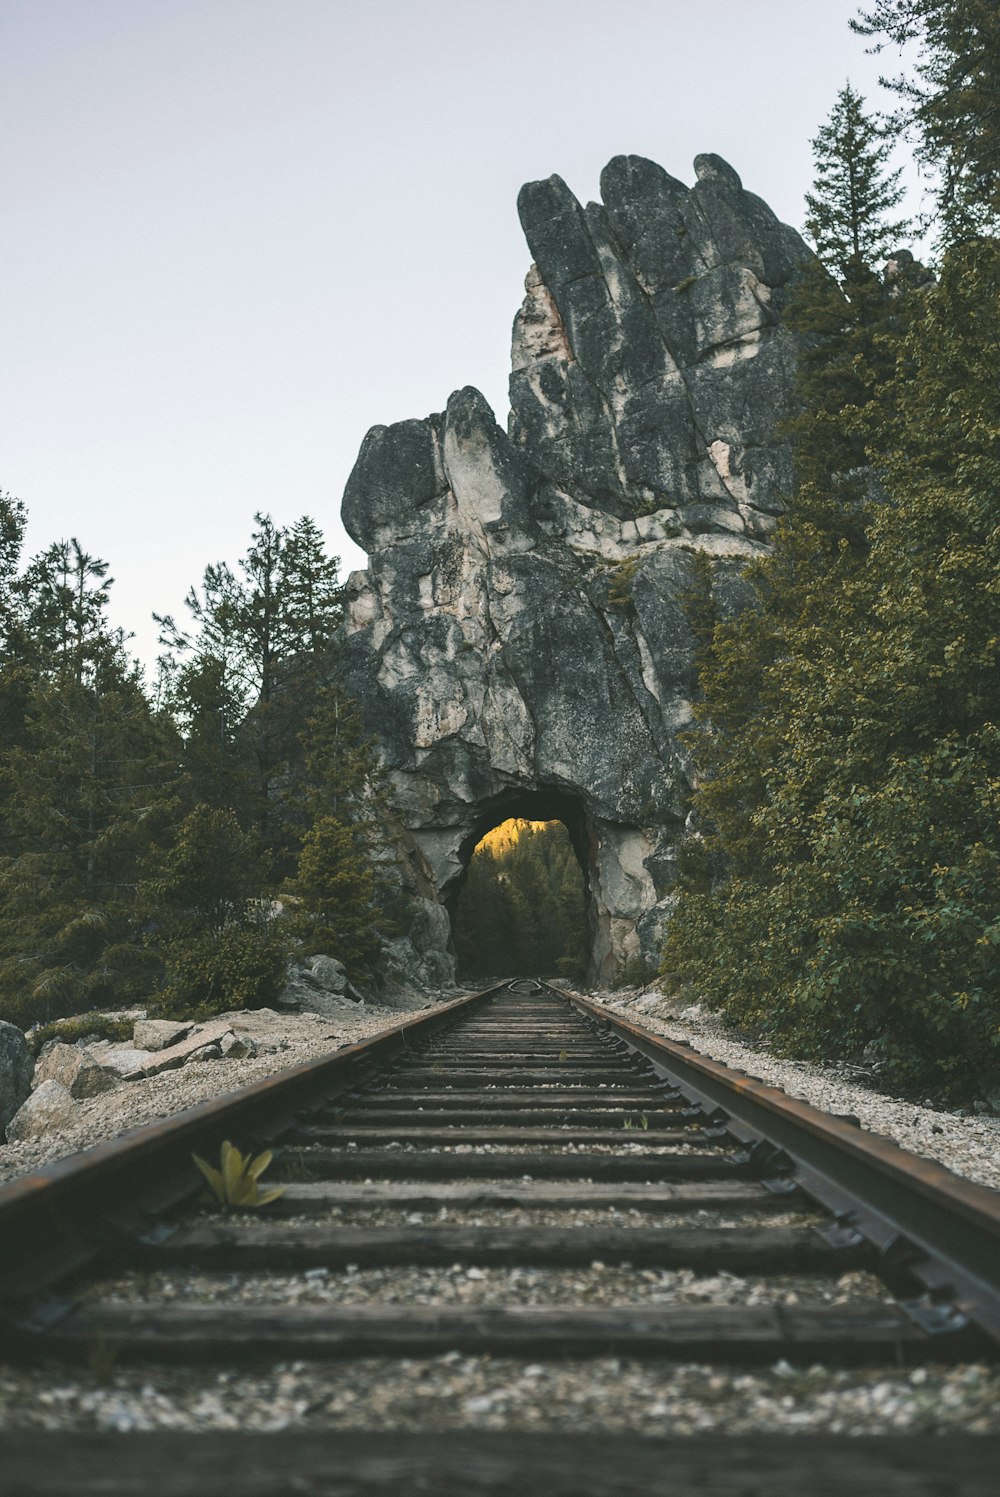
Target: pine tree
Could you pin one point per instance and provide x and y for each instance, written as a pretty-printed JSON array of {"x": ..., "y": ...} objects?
[
  {"x": 66, "y": 593},
  {"x": 214, "y": 932},
  {"x": 951, "y": 107},
  {"x": 854, "y": 192},
  {"x": 311, "y": 591},
  {"x": 742, "y": 923},
  {"x": 16, "y": 674},
  {"x": 340, "y": 892},
  {"x": 242, "y": 680},
  {"x": 521, "y": 909},
  {"x": 87, "y": 792}
]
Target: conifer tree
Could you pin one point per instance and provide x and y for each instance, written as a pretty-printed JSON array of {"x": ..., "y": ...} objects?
[
  {"x": 950, "y": 104},
  {"x": 854, "y": 191},
  {"x": 339, "y": 892},
  {"x": 747, "y": 910},
  {"x": 242, "y": 679},
  {"x": 521, "y": 909},
  {"x": 16, "y": 674},
  {"x": 87, "y": 792},
  {"x": 214, "y": 932}
]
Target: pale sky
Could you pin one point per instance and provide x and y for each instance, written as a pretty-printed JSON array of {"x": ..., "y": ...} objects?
[{"x": 238, "y": 233}]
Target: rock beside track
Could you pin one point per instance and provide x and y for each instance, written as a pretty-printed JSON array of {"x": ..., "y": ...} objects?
[
  {"x": 49, "y": 1108},
  {"x": 279, "y": 1041},
  {"x": 16, "y": 1067},
  {"x": 75, "y": 1069}
]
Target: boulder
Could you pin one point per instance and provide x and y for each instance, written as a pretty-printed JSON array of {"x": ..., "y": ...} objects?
[
  {"x": 123, "y": 1061},
  {"x": 207, "y": 1052},
  {"x": 16, "y": 1068},
  {"x": 49, "y": 1109},
  {"x": 237, "y": 1047},
  {"x": 519, "y": 644},
  {"x": 204, "y": 1037},
  {"x": 158, "y": 1034},
  {"x": 319, "y": 986},
  {"x": 74, "y": 1068},
  {"x": 328, "y": 973}
]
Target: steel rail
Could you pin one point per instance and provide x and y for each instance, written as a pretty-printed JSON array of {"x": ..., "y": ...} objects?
[
  {"x": 67, "y": 1215},
  {"x": 935, "y": 1228},
  {"x": 59, "y": 1218}
]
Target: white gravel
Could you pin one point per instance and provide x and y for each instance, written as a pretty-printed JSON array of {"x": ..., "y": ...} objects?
[
  {"x": 495, "y": 1287},
  {"x": 282, "y": 1041},
  {"x": 968, "y": 1145},
  {"x": 455, "y": 1391}
]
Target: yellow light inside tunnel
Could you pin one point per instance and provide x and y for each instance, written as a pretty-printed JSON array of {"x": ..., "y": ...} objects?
[{"x": 505, "y": 836}]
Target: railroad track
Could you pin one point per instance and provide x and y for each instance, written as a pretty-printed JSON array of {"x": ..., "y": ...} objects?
[{"x": 458, "y": 1194}]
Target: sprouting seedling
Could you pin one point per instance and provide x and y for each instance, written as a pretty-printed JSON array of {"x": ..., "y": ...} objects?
[
  {"x": 102, "y": 1356},
  {"x": 562, "y": 1054},
  {"x": 234, "y": 1184}
]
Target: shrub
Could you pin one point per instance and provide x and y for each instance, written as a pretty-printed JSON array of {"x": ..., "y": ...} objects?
[{"x": 212, "y": 971}]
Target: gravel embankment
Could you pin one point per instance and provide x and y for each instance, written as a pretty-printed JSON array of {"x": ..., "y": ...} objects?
[
  {"x": 282, "y": 1041},
  {"x": 968, "y": 1145}
]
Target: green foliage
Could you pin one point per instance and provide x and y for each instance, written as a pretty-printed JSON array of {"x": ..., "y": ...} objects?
[
  {"x": 82, "y": 1026},
  {"x": 140, "y": 848},
  {"x": 622, "y": 578},
  {"x": 86, "y": 792},
  {"x": 342, "y": 896},
  {"x": 854, "y": 192},
  {"x": 335, "y": 896},
  {"x": 235, "y": 1183},
  {"x": 219, "y": 944},
  {"x": 521, "y": 911},
  {"x": 844, "y": 899},
  {"x": 209, "y": 874},
  {"x": 241, "y": 680},
  {"x": 950, "y": 104},
  {"x": 638, "y": 972},
  {"x": 208, "y": 972}
]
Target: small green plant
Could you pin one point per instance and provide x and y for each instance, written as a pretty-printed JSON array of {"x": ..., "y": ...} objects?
[
  {"x": 82, "y": 1026},
  {"x": 234, "y": 1184},
  {"x": 562, "y": 1054},
  {"x": 620, "y": 590},
  {"x": 630, "y": 1123},
  {"x": 102, "y": 1356}
]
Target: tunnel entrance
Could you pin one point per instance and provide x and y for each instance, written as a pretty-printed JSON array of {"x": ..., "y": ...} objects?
[{"x": 522, "y": 904}]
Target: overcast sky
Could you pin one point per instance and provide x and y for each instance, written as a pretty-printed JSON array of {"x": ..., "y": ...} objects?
[{"x": 238, "y": 233}]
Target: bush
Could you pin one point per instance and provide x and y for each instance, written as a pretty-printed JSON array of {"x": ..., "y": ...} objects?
[
  {"x": 208, "y": 973},
  {"x": 81, "y": 1027}
]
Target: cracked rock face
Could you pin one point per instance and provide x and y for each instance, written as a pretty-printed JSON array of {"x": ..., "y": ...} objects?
[{"x": 519, "y": 643}]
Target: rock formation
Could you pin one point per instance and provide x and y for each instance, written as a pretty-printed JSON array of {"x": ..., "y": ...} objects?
[{"x": 519, "y": 642}]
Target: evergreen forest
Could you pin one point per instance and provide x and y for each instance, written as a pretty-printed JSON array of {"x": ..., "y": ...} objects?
[
  {"x": 840, "y": 892},
  {"x": 176, "y": 845},
  {"x": 522, "y": 909}
]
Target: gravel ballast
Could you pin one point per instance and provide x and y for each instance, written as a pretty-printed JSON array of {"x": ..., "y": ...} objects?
[
  {"x": 968, "y": 1145},
  {"x": 282, "y": 1041},
  {"x": 455, "y": 1391}
]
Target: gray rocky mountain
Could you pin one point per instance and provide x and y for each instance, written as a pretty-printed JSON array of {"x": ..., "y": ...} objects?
[{"x": 518, "y": 642}]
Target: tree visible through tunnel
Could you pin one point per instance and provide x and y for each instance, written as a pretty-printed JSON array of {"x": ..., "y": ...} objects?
[{"x": 522, "y": 910}]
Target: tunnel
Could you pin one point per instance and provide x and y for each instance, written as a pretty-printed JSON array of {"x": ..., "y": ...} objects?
[{"x": 541, "y": 805}]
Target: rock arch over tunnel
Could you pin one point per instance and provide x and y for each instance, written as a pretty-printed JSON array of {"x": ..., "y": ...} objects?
[
  {"x": 520, "y": 634},
  {"x": 534, "y": 807}
]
